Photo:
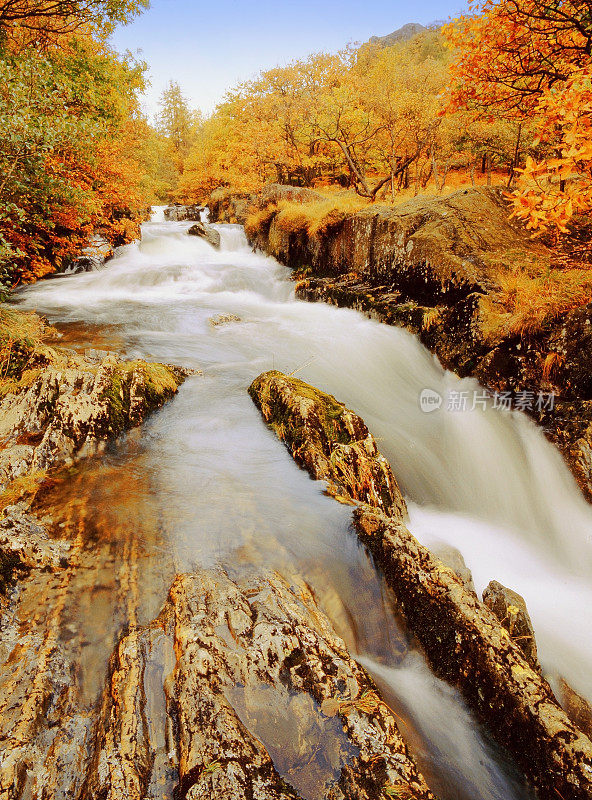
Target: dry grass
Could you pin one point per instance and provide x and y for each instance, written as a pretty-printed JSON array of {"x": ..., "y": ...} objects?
[
  {"x": 319, "y": 215},
  {"x": 22, "y": 342},
  {"x": 311, "y": 218},
  {"x": 526, "y": 301}
]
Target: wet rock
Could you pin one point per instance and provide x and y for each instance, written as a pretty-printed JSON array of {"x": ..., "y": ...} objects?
[
  {"x": 68, "y": 409},
  {"x": 510, "y": 608},
  {"x": 454, "y": 559},
  {"x": 329, "y": 440},
  {"x": 25, "y": 545},
  {"x": 463, "y": 640},
  {"x": 467, "y": 646},
  {"x": 223, "y": 319},
  {"x": 577, "y": 708},
  {"x": 262, "y": 701},
  {"x": 98, "y": 251},
  {"x": 180, "y": 213},
  {"x": 206, "y": 232}
]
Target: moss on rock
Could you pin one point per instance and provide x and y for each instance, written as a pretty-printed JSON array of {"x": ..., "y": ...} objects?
[{"x": 329, "y": 440}]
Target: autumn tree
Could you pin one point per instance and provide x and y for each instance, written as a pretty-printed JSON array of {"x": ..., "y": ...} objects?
[
  {"x": 72, "y": 138},
  {"x": 44, "y": 22},
  {"x": 177, "y": 123},
  {"x": 530, "y": 60}
]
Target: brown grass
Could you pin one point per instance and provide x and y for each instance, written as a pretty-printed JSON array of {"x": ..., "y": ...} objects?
[
  {"x": 311, "y": 218},
  {"x": 22, "y": 345},
  {"x": 526, "y": 302}
]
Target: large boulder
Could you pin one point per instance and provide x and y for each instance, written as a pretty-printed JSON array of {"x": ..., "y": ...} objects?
[
  {"x": 206, "y": 232},
  {"x": 227, "y": 205}
]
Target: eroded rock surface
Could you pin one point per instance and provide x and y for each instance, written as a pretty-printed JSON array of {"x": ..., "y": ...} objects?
[
  {"x": 264, "y": 702},
  {"x": 464, "y": 641},
  {"x": 66, "y": 410},
  {"x": 25, "y": 545},
  {"x": 329, "y": 440},
  {"x": 255, "y": 696}
]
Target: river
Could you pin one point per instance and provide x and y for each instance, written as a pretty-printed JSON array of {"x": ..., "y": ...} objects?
[{"x": 204, "y": 482}]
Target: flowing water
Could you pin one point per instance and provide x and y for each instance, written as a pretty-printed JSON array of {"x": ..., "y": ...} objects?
[{"x": 205, "y": 483}]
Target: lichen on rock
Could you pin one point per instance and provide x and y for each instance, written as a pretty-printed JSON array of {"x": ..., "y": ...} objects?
[
  {"x": 263, "y": 701},
  {"x": 329, "y": 440}
]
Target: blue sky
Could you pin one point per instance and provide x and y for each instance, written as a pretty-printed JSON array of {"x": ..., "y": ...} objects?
[{"x": 210, "y": 46}]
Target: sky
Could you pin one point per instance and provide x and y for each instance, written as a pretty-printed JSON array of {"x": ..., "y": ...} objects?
[{"x": 208, "y": 47}]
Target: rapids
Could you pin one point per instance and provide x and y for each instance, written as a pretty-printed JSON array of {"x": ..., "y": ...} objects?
[{"x": 219, "y": 489}]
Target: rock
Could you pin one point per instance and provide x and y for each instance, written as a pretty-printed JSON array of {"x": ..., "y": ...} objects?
[
  {"x": 25, "y": 545},
  {"x": 463, "y": 640},
  {"x": 66, "y": 410},
  {"x": 262, "y": 701},
  {"x": 510, "y": 608},
  {"x": 329, "y": 440},
  {"x": 226, "y": 205},
  {"x": 426, "y": 265},
  {"x": 437, "y": 249},
  {"x": 454, "y": 559},
  {"x": 98, "y": 251},
  {"x": 467, "y": 646},
  {"x": 224, "y": 319},
  {"x": 276, "y": 193},
  {"x": 206, "y": 232},
  {"x": 179, "y": 213},
  {"x": 577, "y": 708}
]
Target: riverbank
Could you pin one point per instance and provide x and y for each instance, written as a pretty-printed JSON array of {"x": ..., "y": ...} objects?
[{"x": 455, "y": 271}]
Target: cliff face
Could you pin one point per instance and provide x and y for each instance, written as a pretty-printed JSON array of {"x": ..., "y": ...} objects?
[{"x": 429, "y": 265}]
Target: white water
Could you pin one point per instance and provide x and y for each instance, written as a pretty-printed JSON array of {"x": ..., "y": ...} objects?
[{"x": 485, "y": 481}]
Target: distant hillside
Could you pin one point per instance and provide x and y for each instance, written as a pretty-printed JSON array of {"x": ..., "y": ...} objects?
[{"x": 404, "y": 34}]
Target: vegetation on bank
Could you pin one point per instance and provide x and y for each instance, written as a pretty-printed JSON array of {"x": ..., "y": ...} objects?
[{"x": 77, "y": 156}]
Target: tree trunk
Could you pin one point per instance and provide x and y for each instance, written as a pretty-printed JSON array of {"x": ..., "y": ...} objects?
[{"x": 516, "y": 158}]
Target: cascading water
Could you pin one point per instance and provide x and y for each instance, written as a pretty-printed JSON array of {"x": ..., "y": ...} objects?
[{"x": 485, "y": 481}]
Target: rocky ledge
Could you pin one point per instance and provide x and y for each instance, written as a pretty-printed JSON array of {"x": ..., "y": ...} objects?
[
  {"x": 243, "y": 656},
  {"x": 57, "y": 406},
  {"x": 429, "y": 265},
  {"x": 463, "y": 639}
]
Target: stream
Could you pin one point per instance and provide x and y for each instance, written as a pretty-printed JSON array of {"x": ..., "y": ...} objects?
[{"x": 204, "y": 483}]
